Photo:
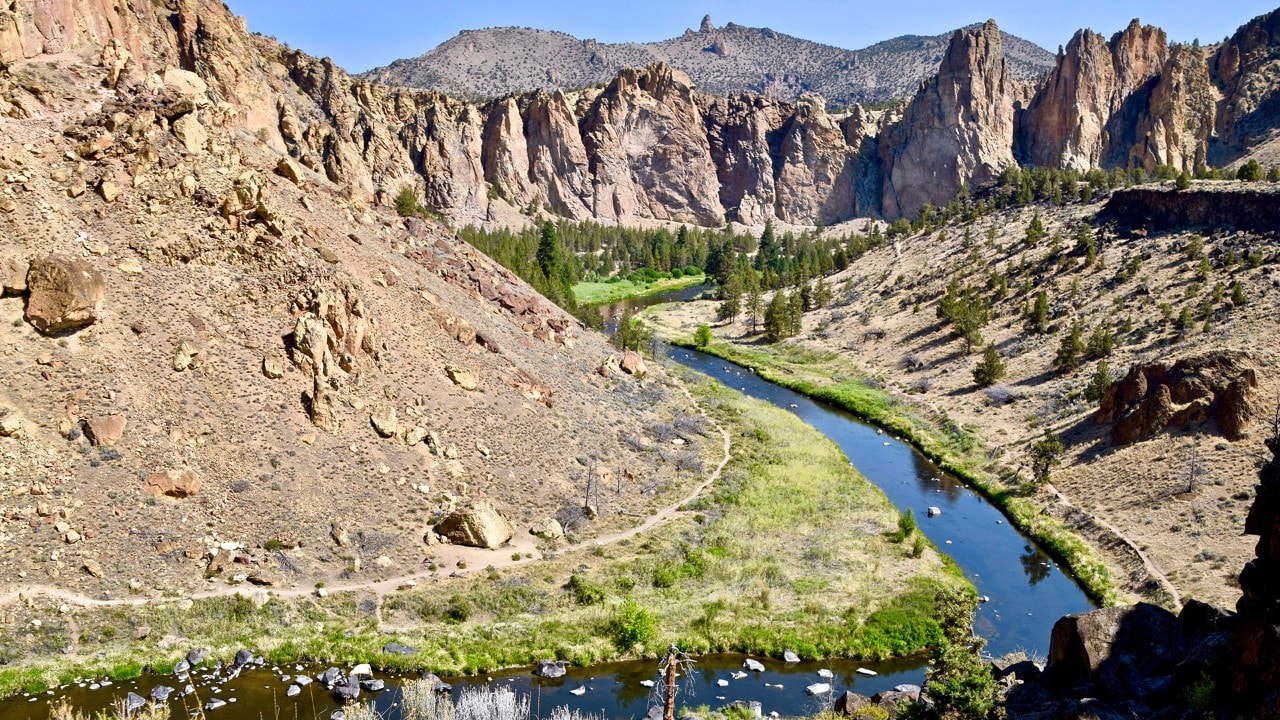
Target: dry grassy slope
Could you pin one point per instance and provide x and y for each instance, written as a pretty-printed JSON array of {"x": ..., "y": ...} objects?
[
  {"x": 1194, "y": 537},
  {"x": 267, "y": 472},
  {"x": 503, "y": 61}
]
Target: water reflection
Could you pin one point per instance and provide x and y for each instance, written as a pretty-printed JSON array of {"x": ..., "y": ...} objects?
[{"x": 1035, "y": 563}]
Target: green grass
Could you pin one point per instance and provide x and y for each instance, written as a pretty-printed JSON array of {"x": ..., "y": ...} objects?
[
  {"x": 595, "y": 293},
  {"x": 790, "y": 550},
  {"x": 958, "y": 450}
]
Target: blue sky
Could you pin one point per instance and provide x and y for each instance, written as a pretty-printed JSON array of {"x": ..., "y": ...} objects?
[{"x": 362, "y": 35}]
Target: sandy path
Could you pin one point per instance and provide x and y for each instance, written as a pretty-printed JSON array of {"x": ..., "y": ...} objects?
[{"x": 476, "y": 559}]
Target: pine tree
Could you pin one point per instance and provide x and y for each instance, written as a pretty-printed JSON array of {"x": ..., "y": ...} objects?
[
  {"x": 1035, "y": 231},
  {"x": 777, "y": 322},
  {"x": 991, "y": 369},
  {"x": 755, "y": 301},
  {"x": 1099, "y": 383},
  {"x": 1101, "y": 342},
  {"x": 1071, "y": 349},
  {"x": 731, "y": 295},
  {"x": 795, "y": 313},
  {"x": 1039, "y": 316}
]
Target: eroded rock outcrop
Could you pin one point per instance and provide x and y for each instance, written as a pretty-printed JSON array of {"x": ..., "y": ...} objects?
[
  {"x": 1258, "y": 677},
  {"x": 957, "y": 131},
  {"x": 64, "y": 294},
  {"x": 1151, "y": 398}
]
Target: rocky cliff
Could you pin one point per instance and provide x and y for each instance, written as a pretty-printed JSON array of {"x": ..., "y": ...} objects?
[
  {"x": 650, "y": 145},
  {"x": 957, "y": 131},
  {"x": 214, "y": 342}
]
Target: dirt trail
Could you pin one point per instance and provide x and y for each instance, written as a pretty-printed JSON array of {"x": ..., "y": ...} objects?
[{"x": 475, "y": 559}]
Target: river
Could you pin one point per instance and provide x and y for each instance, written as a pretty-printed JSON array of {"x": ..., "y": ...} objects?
[{"x": 1025, "y": 594}]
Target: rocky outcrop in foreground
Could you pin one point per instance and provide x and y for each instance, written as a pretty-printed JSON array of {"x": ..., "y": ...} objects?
[{"x": 1143, "y": 661}]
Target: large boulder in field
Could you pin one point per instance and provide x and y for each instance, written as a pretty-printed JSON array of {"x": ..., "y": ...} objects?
[
  {"x": 64, "y": 294},
  {"x": 1123, "y": 652},
  {"x": 478, "y": 525},
  {"x": 173, "y": 483}
]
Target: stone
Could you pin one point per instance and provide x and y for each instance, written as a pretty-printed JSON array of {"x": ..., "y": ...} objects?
[
  {"x": 373, "y": 685},
  {"x": 173, "y": 483},
  {"x": 196, "y": 656},
  {"x": 243, "y": 657},
  {"x": 161, "y": 693},
  {"x": 133, "y": 702},
  {"x": 109, "y": 190},
  {"x": 395, "y": 648},
  {"x": 385, "y": 422},
  {"x": 184, "y": 83},
  {"x": 633, "y": 364},
  {"x": 184, "y": 356},
  {"x": 272, "y": 368},
  {"x": 130, "y": 266},
  {"x": 934, "y": 511},
  {"x": 293, "y": 691},
  {"x": 462, "y": 377},
  {"x": 13, "y": 276},
  {"x": 289, "y": 169},
  {"x": 550, "y": 669},
  {"x": 191, "y": 133},
  {"x": 11, "y": 423},
  {"x": 363, "y": 670},
  {"x": 105, "y": 430},
  {"x": 1114, "y": 648},
  {"x": 181, "y": 667},
  {"x": 479, "y": 525},
  {"x": 753, "y": 665},
  {"x": 548, "y": 529},
  {"x": 851, "y": 703},
  {"x": 64, "y": 295},
  {"x": 214, "y": 704},
  {"x": 1153, "y": 397},
  {"x": 789, "y": 656},
  {"x": 818, "y": 689},
  {"x": 94, "y": 568}
]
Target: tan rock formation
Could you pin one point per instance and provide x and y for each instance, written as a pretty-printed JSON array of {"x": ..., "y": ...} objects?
[
  {"x": 478, "y": 525},
  {"x": 958, "y": 130},
  {"x": 64, "y": 295}
]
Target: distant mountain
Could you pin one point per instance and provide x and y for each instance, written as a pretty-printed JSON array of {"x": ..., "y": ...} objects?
[{"x": 496, "y": 62}]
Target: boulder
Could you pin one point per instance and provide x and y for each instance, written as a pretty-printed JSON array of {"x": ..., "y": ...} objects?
[
  {"x": 272, "y": 368},
  {"x": 851, "y": 703},
  {"x": 133, "y": 702},
  {"x": 818, "y": 689},
  {"x": 462, "y": 377},
  {"x": 191, "y": 133},
  {"x": 13, "y": 276},
  {"x": 548, "y": 529},
  {"x": 290, "y": 170},
  {"x": 550, "y": 669},
  {"x": 753, "y": 665},
  {"x": 790, "y": 656},
  {"x": 181, "y": 83},
  {"x": 1150, "y": 398},
  {"x": 160, "y": 693},
  {"x": 385, "y": 422},
  {"x": 1118, "y": 649},
  {"x": 64, "y": 295},
  {"x": 395, "y": 648},
  {"x": 479, "y": 525},
  {"x": 104, "y": 430},
  {"x": 633, "y": 364},
  {"x": 173, "y": 483}
]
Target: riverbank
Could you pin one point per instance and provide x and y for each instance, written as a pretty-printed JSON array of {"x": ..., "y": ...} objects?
[
  {"x": 960, "y": 450},
  {"x": 596, "y": 293},
  {"x": 764, "y": 562}
]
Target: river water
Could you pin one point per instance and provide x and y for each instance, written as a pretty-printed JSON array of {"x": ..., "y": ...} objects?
[{"x": 1025, "y": 591}]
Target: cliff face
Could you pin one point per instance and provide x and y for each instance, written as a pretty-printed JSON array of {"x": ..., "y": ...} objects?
[
  {"x": 957, "y": 131},
  {"x": 1244, "y": 70},
  {"x": 651, "y": 146}
]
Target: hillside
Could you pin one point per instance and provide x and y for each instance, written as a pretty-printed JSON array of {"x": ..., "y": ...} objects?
[
  {"x": 497, "y": 62},
  {"x": 1164, "y": 481}
]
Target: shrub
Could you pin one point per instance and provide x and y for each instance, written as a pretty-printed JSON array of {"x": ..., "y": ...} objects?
[
  {"x": 1250, "y": 171},
  {"x": 632, "y": 625},
  {"x": 990, "y": 369},
  {"x": 703, "y": 337},
  {"x": 406, "y": 202},
  {"x": 584, "y": 591},
  {"x": 1099, "y": 383},
  {"x": 1237, "y": 294},
  {"x": 1046, "y": 455},
  {"x": 906, "y": 525},
  {"x": 961, "y": 683},
  {"x": 1071, "y": 349}
]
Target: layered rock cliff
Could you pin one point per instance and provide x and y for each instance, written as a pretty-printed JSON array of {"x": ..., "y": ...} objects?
[
  {"x": 957, "y": 131},
  {"x": 651, "y": 146}
]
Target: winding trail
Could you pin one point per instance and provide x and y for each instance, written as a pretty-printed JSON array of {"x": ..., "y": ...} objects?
[{"x": 476, "y": 559}]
